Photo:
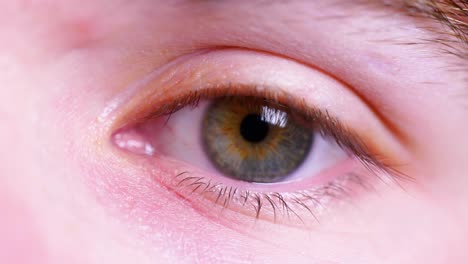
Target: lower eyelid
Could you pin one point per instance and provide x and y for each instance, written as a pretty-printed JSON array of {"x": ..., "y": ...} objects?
[{"x": 299, "y": 208}]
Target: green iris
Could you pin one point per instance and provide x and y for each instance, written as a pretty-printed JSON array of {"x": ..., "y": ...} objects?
[{"x": 255, "y": 141}]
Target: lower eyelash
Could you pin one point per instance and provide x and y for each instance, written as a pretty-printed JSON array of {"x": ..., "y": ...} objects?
[{"x": 281, "y": 206}]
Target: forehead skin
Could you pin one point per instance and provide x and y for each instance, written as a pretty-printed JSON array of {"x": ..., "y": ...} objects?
[{"x": 63, "y": 61}]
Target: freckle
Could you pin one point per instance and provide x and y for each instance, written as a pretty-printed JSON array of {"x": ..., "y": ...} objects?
[{"x": 79, "y": 33}]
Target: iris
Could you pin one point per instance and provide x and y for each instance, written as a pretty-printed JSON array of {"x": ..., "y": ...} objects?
[{"x": 254, "y": 140}]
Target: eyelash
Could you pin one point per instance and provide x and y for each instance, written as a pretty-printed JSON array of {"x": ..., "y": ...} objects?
[{"x": 310, "y": 199}]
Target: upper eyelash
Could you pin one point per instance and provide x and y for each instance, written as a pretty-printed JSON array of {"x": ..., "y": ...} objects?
[{"x": 329, "y": 126}]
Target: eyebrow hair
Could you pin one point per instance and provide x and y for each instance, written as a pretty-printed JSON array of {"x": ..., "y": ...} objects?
[
  {"x": 451, "y": 14},
  {"x": 452, "y": 38},
  {"x": 450, "y": 30}
]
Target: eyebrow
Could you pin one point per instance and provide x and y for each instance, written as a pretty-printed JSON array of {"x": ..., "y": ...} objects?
[
  {"x": 451, "y": 14},
  {"x": 448, "y": 23}
]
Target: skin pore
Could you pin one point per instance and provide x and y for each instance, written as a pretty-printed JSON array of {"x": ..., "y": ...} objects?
[{"x": 75, "y": 72}]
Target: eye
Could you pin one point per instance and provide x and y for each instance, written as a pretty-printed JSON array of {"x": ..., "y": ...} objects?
[
  {"x": 244, "y": 138},
  {"x": 251, "y": 145}
]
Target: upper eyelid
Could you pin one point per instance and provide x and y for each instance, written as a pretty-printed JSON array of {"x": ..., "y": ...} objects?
[
  {"x": 168, "y": 73},
  {"x": 156, "y": 99},
  {"x": 164, "y": 84},
  {"x": 201, "y": 71}
]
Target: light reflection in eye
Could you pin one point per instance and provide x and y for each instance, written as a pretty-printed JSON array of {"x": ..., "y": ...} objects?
[{"x": 274, "y": 116}]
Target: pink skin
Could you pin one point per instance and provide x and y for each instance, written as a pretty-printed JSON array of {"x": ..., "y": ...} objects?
[{"x": 79, "y": 199}]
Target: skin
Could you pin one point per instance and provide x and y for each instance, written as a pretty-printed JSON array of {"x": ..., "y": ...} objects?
[{"x": 68, "y": 195}]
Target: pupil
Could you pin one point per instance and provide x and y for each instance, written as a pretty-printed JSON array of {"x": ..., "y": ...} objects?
[{"x": 253, "y": 128}]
